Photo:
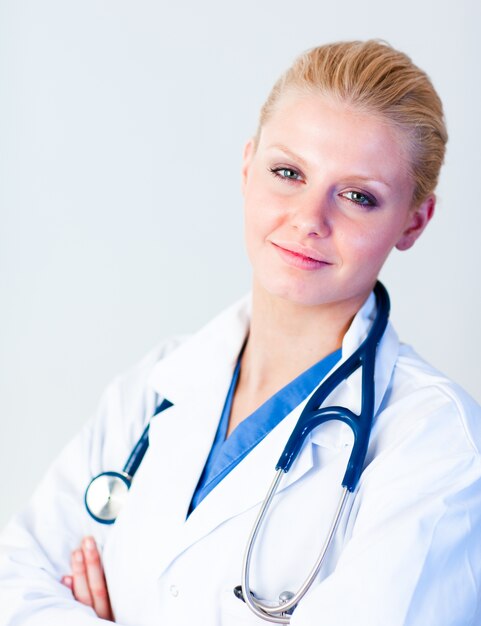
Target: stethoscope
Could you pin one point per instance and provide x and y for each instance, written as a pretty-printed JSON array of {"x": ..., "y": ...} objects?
[
  {"x": 107, "y": 491},
  {"x": 311, "y": 417}
]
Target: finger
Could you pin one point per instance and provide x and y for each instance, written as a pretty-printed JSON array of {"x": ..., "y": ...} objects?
[
  {"x": 81, "y": 590},
  {"x": 96, "y": 579},
  {"x": 67, "y": 581}
]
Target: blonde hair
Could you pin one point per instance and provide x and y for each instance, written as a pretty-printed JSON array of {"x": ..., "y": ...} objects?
[{"x": 375, "y": 78}]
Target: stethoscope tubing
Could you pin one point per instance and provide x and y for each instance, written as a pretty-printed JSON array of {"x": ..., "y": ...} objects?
[
  {"x": 311, "y": 417},
  {"x": 269, "y": 612}
]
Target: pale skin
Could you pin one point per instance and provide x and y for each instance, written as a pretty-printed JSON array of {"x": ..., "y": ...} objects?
[
  {"x": 87, "y": 581},
  {"x": 327, "y": 196}
]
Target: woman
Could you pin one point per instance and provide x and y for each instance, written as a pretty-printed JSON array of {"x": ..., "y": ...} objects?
[{"x": 343, "y": 169}]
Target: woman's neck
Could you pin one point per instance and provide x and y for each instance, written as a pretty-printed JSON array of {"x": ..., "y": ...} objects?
[{"x": 285, "y": 338}]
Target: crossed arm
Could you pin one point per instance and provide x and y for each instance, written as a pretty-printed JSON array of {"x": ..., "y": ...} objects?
[{"x": 87, "y": 581}]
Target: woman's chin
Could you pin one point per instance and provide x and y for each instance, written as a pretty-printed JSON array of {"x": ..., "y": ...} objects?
[{"x": 296, "y": 294}]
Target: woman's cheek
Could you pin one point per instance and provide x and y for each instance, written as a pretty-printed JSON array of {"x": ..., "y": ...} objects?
[
  {"x": 262, "y": 217},
  {"x": 371, "y": 247}
]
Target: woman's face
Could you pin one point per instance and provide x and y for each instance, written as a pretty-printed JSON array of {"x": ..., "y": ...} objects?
[{"x": 327, "y": 196}]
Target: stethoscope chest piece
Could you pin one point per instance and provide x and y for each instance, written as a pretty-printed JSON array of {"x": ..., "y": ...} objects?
[
  {"x": 107, "y": 492},
  {"x": 106, "y": 495}
]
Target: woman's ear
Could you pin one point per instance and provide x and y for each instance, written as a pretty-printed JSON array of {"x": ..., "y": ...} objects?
[
  {"x": 247, "y": 156},
  {"x": 417, "y": 221}
]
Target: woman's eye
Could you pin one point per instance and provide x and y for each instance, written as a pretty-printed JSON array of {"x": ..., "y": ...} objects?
[
  {"x": 359, "y": 198},
  {"x": 286, "y": 173}
]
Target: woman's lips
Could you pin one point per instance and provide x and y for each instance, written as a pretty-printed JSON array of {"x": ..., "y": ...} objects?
[{"x": 300, "y": 256}]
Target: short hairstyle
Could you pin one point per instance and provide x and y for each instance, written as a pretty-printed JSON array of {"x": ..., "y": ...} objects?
[{"x": 373, "y": 77}]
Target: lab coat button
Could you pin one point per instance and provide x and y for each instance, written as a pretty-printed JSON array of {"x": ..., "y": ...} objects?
[{"x": 174, "y": 591}]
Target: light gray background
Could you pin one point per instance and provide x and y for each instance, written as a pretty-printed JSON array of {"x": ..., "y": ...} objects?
[{"x": 121, "y": 130}]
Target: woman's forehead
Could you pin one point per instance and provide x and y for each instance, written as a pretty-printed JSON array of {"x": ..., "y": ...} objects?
[{"x": 313, "y": 125}]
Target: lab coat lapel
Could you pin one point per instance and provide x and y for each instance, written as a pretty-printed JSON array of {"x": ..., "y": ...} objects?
[
  {"x": 386, "y": 356},
  {"x": 195, "y": 377},
  {"x": 247, "y": 484},
  {"x": 349, "y": 393},
  {"x": 240, "y": 490}
]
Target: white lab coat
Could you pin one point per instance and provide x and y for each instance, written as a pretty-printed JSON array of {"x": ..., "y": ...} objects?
[{"x": 408, "y": 553}]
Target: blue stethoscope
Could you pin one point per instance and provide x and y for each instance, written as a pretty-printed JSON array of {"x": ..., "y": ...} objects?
[{"x": 107, "y": 491}]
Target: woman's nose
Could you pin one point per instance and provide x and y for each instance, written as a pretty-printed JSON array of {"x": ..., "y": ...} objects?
[{"x": 311, "y": 218}]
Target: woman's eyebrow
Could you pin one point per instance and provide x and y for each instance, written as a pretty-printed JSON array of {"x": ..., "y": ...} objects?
[
  {"x": 288, "y": 152},
  {"x": 293, "y": 155},
  {"x": 371, "y": 179}
]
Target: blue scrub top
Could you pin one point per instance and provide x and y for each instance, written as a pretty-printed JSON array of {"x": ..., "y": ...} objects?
[{"x": 227, "y": 453}]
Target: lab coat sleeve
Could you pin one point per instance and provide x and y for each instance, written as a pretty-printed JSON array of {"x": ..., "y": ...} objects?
[
  {"x": 413, "y": 557},
  {"x": 36, "y": 545}
]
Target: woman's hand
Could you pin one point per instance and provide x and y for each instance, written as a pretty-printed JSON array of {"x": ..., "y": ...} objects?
[{"x": 87, "y": 581}]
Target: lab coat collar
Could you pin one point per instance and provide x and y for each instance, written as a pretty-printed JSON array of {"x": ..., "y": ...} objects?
[
  {"x": 208, "y": 359},
  {"x": 349, "y": 394},
  {"x": 212, "y": 351}
]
